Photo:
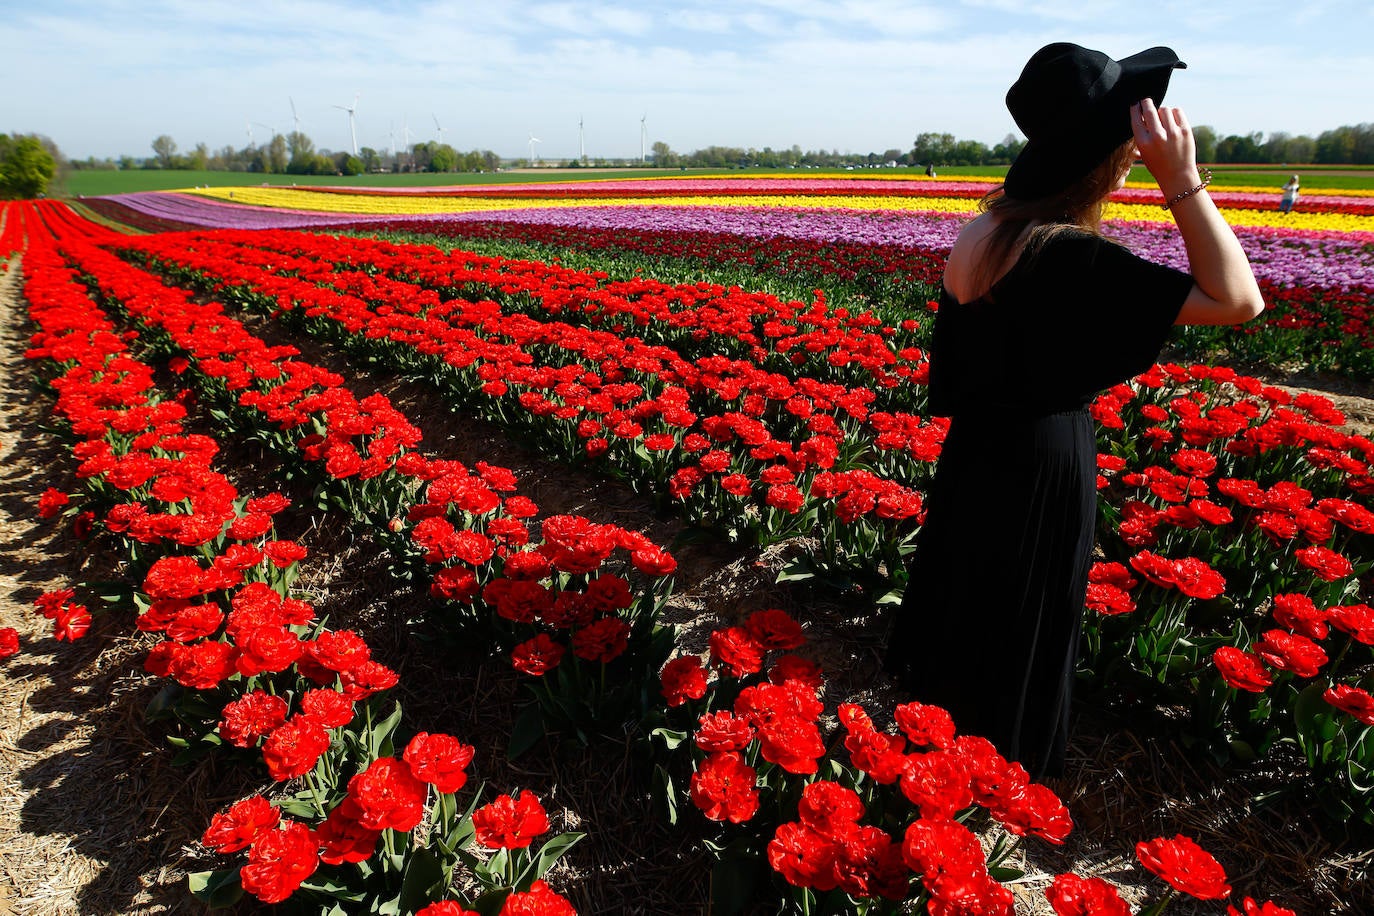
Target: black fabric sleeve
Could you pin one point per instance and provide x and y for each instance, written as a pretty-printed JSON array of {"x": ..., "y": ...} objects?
[
  {"x": 1117, "y": 311},
  {"x": 1142, "y": 304}
]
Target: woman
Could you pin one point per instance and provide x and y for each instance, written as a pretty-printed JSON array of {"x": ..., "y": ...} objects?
[{"x": 1038, "y": 314}]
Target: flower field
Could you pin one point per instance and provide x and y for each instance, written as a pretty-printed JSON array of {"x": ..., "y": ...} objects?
[{"x": 747, "y": 357}]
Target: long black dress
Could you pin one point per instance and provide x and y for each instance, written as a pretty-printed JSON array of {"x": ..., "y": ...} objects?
[{"x": 989, "y": 624}]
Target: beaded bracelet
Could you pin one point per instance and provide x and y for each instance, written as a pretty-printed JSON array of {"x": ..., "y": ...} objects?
[{"x": 1184, "y": 195}]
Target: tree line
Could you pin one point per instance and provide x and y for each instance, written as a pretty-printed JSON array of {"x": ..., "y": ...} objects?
[
  {"x": 295, "y": 154},
  {"x": 1349, "y": 145},
  {"x": 30, "y": 162}
]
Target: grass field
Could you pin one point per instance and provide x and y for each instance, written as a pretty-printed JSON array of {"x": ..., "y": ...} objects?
[
  {"x": 1315, "y": 178},
  {"x": 98, "y": 183}
]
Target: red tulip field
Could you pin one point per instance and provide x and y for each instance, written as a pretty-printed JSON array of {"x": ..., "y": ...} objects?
[{"x": 531, "y": 550}]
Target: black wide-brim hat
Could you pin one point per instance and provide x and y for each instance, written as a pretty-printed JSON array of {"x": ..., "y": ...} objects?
[{"x": 1073, "y": 104}]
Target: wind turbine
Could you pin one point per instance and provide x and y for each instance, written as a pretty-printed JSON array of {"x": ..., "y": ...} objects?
[
  {"x": 250, "y": 132},
  {"x": 295, "y": 118},
  {"x": 581, "y": 140},
  {"x": 533, "y": 141},
  {"x": 440, "y": 128},
  {"x": 644, "y": 138},
  {"x": 352, "y": 129},
  {"x": 268, "y": 126}
]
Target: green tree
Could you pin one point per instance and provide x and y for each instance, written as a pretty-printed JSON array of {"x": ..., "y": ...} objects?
[
  {"x": 444, "y": 158},
  {"x": 970, "y": 152},
  {"x": 349, "y": 164},
  {"x": 277, "y": 155},
  {"x": 933, "y": 148},
  {"x": 1282, "y": 147},
  {"x": 1006, "y": 151},
  {"x": 26, "y": 166},
  {"x": 1236, "y": 148},
  {"x": 92, "y": 164},
  {"x": 1301, "y": 148},
  {"x": 166, "y": 148},
  {"x": 1205, "y": 140},
  {"x": 420, "y": 155},
  {"x": 663, "y": 155},
  {"x": 1364, "y": 144},
  {"x": 1336, "y": 146},
  {"x": 299, "y": 144},
  {"x": 1346, "y": 145},
  {"x": 222, "y": 159},
  {"x": 479, "y": 161},
  {"x": 302, "y": 153}
]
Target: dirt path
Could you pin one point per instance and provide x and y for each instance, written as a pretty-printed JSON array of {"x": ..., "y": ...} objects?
[
  {"x": 33, "y": 727},
  {"x": 91, "y": 818}
]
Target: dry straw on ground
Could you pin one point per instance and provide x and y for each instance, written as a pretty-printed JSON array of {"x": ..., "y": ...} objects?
[{"x": 95, "y": 820}]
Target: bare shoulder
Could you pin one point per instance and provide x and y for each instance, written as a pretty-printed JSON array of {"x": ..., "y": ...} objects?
[
  {"x": 965, "y": 256},
  {"x": 973, "y": 234}
]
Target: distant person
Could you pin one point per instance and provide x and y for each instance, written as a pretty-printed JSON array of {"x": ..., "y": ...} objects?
[
  {"x": 1290, "y": 195},
  {"x": 930, "y": 170}
]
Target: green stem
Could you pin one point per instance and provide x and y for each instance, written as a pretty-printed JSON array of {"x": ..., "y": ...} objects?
[
  {"x": 1334, "y": 665},
  {"x": 448, "y": 810},
  {"x": 1158, "y": 907},
  {"x": 315, "y": 792}
]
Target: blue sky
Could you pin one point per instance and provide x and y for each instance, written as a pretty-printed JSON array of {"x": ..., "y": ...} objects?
[{"x": 105, "y": 78}]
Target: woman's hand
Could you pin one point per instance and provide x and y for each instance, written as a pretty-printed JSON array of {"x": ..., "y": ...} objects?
[
  {"x": 1166, "y": 146},
  {"x": 1225, "y": 291}
]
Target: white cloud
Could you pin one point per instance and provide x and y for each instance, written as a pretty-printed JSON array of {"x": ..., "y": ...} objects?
[
  {"x": 697, "y": 20},
  {"x": 1057, "y": 11},
  {"x": 817, "y": 73},
  {"x": 591, "y": 19}
]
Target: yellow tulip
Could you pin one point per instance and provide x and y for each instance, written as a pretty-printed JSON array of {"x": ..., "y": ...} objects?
[{"x": 407, "y": 204}]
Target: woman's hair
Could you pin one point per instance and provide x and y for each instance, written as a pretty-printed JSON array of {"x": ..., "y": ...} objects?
[{"x": 1076, "y": 208}]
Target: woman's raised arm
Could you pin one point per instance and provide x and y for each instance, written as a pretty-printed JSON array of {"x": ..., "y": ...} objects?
[{"x": 1224, "y": 291}]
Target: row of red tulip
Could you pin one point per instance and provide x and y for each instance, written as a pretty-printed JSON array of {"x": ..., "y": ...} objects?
[
  {"x": 1250, "y": 432},
  {"x": 215, "y": 583},
  {"x": 807, "y": 851}
]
